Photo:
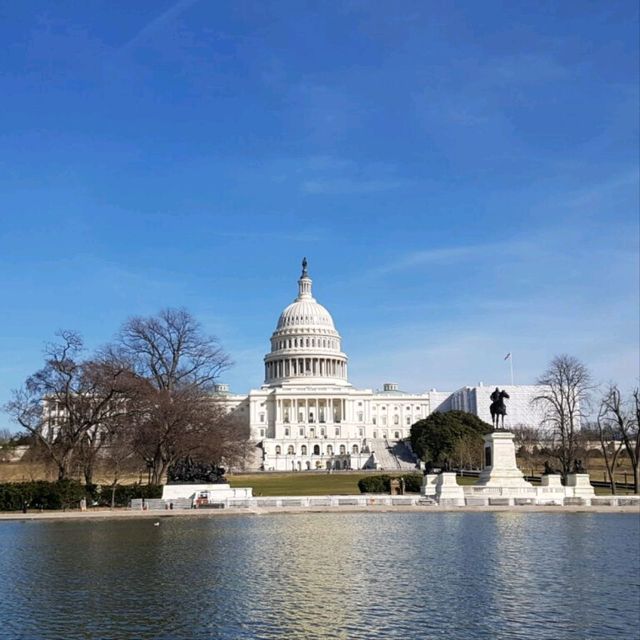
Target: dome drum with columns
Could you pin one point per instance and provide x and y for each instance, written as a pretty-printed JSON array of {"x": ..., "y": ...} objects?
[{"x": 305, "y": 347}]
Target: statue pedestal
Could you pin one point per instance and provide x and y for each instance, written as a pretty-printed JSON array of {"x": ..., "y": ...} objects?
[
  {"x": 500, "y": 463},
  {"x": 551, "y": 490},
  {"x": 429, "y": 482},
  {"x": 551, "y": 480},
  {"x": 448, "y": 492},
  {"x": 579, "y": 486}
]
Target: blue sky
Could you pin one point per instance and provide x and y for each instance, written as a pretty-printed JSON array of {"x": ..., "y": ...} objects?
[{"x": 463, "y": 178}]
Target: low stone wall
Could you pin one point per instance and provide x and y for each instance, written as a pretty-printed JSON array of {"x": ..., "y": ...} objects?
[
  {"x": 364, "y": 501},
  {"x": 284, "y": 502}
]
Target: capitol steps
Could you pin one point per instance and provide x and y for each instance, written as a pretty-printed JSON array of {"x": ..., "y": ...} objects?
[{"x": 392, "y": 456}]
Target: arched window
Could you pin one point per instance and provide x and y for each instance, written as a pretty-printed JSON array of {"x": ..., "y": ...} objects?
[
  {"x": 343, "y": 450},
  {"x": 354, "y": 449},
  {"x": 316, "y": 449},
  {"x": 303, "y": 450},
  {"x": 290, "y": 450},
  {"x": 278, "y": 450},
  {"x": 329, "y": 450}
]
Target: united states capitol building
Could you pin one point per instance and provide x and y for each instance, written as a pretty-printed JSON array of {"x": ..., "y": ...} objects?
[{"x": 307, "y": 416}]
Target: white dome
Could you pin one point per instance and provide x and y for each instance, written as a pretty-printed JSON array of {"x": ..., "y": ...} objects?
[
  {"x": 305, "y": 313},
  {"x": 305, "y": 347}
]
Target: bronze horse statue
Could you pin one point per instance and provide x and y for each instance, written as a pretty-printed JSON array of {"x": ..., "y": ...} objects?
[{"x": 498, "y": 407}]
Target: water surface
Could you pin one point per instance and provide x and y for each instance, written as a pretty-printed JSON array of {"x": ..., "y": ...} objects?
[{"x": 350, "y": 575}]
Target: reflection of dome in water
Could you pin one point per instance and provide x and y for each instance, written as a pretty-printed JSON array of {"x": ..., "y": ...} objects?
[{"x": 305, "y": 347}]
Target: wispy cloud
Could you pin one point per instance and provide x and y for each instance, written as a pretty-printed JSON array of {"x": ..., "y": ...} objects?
[
  {"x": 157, "y": 24},
  {"x": 447, "y": 256},
  {"x": 350, "y": 186}
]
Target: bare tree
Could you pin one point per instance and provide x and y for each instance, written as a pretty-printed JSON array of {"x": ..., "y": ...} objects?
[
  {"x": 180, "y": 423},
  {"x": 66, "y": 400},
  {"x": 620, "y": 422},
  {"x": 176, "y": 365},
  {"x": 118, "y": 451},
  {"x": 171, "y": 351},
  {"x": 564, "y": 400},
  {"x": 607, "y": 428},
  {"x": 468, "y": 451}
]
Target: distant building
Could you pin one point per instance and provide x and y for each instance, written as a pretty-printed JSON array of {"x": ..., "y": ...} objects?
[{"x": 306, "y": 415}]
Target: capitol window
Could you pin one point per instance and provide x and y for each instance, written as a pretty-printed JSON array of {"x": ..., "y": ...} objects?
[
  {"x": 286, "y": 432},
  {"x": 291, "y": 451},
  {"x": 278, "y": 450},
  {"x": 360, "y": 416},
  {"x": 373, "y": 420},
  {"x": 343, "y": 450},
  {"x": 261, "y": 433},
  {"x": 316, "y": 449},
  {"x": 337, "y": 431},
  {"x": 354, "y": 449},
  {"x": 361, "y": 433},
  {"x": 408, "y": 420},
  {"x": 329, "y": 450},
  {"x": 396, "y": 420},
  {"x": 301, "y": 431},
  {"x": 262, "y": 417},
  {"x": 396, "y": 435}
]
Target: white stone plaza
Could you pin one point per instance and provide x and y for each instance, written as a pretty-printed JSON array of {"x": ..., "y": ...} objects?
[{"x": 307, "y": 416}]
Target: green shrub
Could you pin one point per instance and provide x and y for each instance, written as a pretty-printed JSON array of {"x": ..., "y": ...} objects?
[
  {"x": 375, "y": 484},
  {"x": 126, "y": 492},
  {"x": 68, "y": 493},
  {"x": 40, "y": 495},
  {"x": 437, "y": 437},
  {"x": 412, "y": 482},
  {"x": 382, "y": 484}
]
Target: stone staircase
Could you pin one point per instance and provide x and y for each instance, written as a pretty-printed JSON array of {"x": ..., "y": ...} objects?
[{"x": 392, "y": 456}]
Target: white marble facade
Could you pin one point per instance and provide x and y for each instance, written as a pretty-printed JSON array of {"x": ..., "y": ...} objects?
[{"x": 306, "y": 415}]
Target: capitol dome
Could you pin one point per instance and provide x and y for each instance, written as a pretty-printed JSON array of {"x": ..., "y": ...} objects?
[{"x": 305, "y": 347}]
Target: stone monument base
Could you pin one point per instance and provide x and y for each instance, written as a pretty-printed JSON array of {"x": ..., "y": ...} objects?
[
  {"x": 429, "y": 483},
  {"x": 448, "y": 492},
  {"x": 580, "y": 486},
  {"x": 209, "y": 492},
  {"x": 500, "y": 463}
]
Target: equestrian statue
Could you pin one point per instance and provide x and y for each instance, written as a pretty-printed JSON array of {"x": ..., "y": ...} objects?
[{"x": 498, "y": 408}]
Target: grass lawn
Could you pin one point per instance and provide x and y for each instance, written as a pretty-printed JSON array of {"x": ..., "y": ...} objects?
[{"x": 301, "y": 484}]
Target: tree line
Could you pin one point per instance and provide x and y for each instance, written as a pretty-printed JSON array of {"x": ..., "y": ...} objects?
[{"x": 144, "y": 400}]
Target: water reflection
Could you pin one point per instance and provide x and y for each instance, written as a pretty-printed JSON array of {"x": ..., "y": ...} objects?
[{"x": 453, "y": 575}]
